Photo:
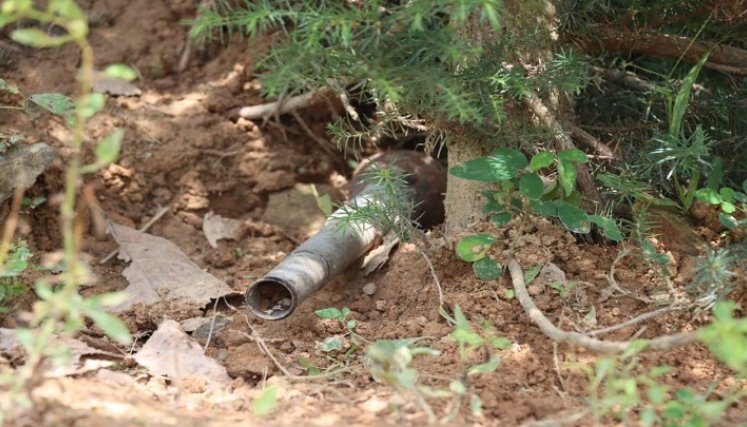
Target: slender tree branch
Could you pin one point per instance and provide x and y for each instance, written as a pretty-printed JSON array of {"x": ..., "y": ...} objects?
[
  {"x": 725, "y": 58},
  {"x": 281, "y": 106},
  {"x": 591, "y": 141},
  {"x": 664, "y": 342}
]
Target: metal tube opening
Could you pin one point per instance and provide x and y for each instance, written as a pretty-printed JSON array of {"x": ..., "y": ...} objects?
[{"x": 271, "y": 298}]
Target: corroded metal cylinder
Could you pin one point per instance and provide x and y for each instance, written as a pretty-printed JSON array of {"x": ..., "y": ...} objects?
[{"x": 340, "y": 242}]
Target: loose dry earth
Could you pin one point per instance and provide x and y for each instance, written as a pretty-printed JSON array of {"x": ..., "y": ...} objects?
[{"x": 185, "y": 149}]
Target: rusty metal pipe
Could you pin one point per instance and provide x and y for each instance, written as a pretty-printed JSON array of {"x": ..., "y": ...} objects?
[{"x": 329, "y": 252}]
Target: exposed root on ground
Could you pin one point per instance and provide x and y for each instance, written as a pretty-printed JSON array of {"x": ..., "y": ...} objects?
[{"x": 664, "y": 342}]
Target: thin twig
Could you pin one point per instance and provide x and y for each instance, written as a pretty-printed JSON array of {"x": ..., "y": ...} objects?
[
  {"x": 142, "y": 229},
  {"x": 638, "y": 319},
  {"x": 280, "y": 106},
  {"x": 266, "y": 350},
  {"x": 212, "y": 324},
  {"x": 343, "y": 96},
  {"x": 323, "y": 143},
  {"x": 435, "y": 278},
  {"x": 664, "y": 342},
  {"x": 613, "y": 282}
]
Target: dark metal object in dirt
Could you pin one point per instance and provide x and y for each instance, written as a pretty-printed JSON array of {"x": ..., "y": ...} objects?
[{"x": 329, "y": 252}]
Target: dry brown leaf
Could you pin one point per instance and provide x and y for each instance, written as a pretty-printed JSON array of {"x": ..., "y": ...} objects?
[
  {"x": 160, "y": 272},
  {"x": 378, "y": 256},
  {"x": 217, "y": 227},
  {"x": 171, "y": 352},
  {"x": 83, "y": 358},
  {"x": 115, "y": 87}
]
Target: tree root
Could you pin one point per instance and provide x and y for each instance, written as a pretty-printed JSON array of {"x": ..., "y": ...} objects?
[{"x": 664, "y": 342}]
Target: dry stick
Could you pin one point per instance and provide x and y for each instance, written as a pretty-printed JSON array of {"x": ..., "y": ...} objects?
[
  {"x": 625, "y": 78},
  {"x": 664, "y": 342},
  {"x": 585, "y": 181},
  {"x": 343, "y": 96},
  {"x": 188, "y": 46},
  {"x": 142, "y": 229},
  {"x": 280, "y": 106},
  {"x": 11, "y": 223},
  {"x": 266, "y": 350},
  {"x": 638, "y": 319},
  {"x": 613, "y": 282},
  {"x": 212, "y": 324},
  {"x": 435, "y": 278},
  {"x": 590, "y": 141},
  {"x": 323, "y": 143}
]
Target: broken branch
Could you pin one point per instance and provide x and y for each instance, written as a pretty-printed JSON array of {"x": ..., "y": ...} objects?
[{"x": 281, "y": 106}]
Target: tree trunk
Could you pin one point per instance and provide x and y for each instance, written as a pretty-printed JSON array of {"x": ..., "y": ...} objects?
[{"x": 530, "y": 19}]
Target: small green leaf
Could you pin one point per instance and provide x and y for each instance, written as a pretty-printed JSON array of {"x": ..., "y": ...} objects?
[
  {"x": 532, "y": 273},
  {"x": 121, "y": 71},
  {"x": 265, "y": 402},
  {"x": 328, "y": 313},
  {"x": 541, "y": 160},
  {"x": 502, "y": 218},
  {"x": 457, "y": 387},
  {"x": 740, "y": 197},
  {"x": 501, "y": 343},
  {"x": 728, "y": 221},
  {"x": 485, "y": 368},
  {"x": 567, "y": 174},
  {"x": 106, "y": 151},
  {"x": 55, "y": 103},
  {"x": 573, "y": 218},
  {"x": 35, "y": 37},
  {"x": 608, "y": 226},
  {"x": 112, "y": 326},
  {"x": 531, "y": 185},
  {"x": 503, "y": 164},
  {"x": 509, "y": 294},
  {"x": 331, "y": 344},
  {"x": 8, "y": 87},
  {"x": 708, "y": 195},
  {"x": 728, "y": 207},
  {"x": 475, "y": 405},
  {"x": 572, "y": 155},
  {"x": 310, "y": 368},
  {"x": 486, "y": 269},
  {"x": 682, "y": 100},
  {"x": 548, "y": 208},
  {"x": 92, "y": 104},
  {"x": 473, "y": 248},
  {"x": 727, "y": 194}
]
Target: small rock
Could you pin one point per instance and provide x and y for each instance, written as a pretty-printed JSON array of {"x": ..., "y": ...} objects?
[
  {"x": 380, "y": 305},
  {"x": 369, "y": 288},
  {"x": 21, "y": 164}
]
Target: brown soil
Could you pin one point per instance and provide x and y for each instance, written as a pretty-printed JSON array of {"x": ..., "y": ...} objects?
[{"x": 184, "y": 148}]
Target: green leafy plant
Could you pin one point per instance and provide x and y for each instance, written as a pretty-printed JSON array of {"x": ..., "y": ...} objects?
[
  {"x": 336, "y": 343},
  {"x": 11, "y": 285},
  {"x": 523, "y": 190},
  {"x": 729, "y": 201},
  {"x": 469, "y": 342},
  {"x": 619, "y": 390},
  {"x": 474, "y": 249},
  {"x": 60, "y": 308}
]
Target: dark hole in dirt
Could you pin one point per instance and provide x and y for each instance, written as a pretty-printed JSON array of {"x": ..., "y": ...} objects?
[{"x": 270, "y": 298}]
